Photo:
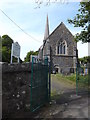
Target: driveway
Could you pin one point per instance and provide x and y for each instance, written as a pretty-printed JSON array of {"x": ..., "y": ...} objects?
[
  {"x": 61, "y": 86},
  {"x": 66, "y": 104}
]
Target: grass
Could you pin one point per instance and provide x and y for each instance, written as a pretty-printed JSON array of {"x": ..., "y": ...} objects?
[
  {"x": 72, "y": 78},
  {"x": 69, "y": 81},
  {"x": 67, "y": 78},
  {"x": 54, "y": 95},
  {"x": 82, "y": 80}
]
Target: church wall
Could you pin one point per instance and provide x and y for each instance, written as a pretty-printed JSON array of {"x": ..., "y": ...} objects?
[
  {"x": 63, "y": 61},
  {"x": 61, "y": 34}
]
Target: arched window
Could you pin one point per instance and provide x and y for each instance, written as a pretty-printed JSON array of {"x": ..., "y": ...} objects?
[{"x": 62, "y": 47}]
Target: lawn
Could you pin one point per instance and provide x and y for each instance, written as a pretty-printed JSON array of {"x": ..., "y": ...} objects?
[
  {"x": 81, "y": 80},
  {"x": 72, "y": 78},
  {"x": 62, "y": 83},
  {"x": 66, "y": 78},
  {"x": 67, "y": 82}
]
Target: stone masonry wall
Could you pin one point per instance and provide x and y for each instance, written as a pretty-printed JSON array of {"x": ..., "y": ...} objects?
[
  {"x": 64, "y": 62},
  {"x": 15, "y": 88},
  {"x": 62, "y": 33}
]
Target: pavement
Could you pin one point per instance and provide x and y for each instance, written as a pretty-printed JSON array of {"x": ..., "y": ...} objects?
[
  {"x": 77, "y": 107},
  {"x": 74, "y": 107}
]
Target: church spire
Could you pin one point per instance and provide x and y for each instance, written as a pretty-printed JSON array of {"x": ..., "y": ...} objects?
[{"x": 46, "y": 29}]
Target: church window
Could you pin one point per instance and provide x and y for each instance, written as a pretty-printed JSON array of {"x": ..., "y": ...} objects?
[
  {"x": 62, "y": 48},
  {"x": 57, "y": 49}
]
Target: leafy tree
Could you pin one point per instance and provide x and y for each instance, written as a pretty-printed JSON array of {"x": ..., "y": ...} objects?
[
  {"x": 7, "y": 41},
  {"x": 5, "y": 54},
  {"x": 0, "y": 49},
  {"x": 82, "y": 19},
  {"x": 6, "y": 49},
  {"x": 84, "y": 60},
  {"x": 27, "y": 58}
]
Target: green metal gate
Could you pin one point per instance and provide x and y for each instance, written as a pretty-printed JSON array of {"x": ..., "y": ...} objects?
[
  {"x": 82, "y": 79},
  {"x": 40, "y": 84}
]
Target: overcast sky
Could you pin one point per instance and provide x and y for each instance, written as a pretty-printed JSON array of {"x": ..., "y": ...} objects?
[{"x": 32, "y": 20}]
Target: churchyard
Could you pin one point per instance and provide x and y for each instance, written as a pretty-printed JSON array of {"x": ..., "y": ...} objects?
[{"x": 64, "y": 101}]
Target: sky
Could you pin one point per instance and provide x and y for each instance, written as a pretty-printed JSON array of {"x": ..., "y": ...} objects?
[{"x": 29, "y": 22}]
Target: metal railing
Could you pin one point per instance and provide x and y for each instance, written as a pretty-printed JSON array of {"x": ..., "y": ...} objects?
[{"x": 40, "y": 84}]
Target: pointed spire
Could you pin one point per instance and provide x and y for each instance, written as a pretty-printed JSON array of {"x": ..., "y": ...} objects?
[{"x": 46, "y": 29}]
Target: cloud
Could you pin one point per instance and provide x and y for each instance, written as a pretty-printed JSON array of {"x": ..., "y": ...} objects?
[
  {"x": 16, "y": 1},
  {"x": 82, "y": 49},
  {"x": 28, "y": 43},
  {"x": 75, "y": 32},
  {"x": 33, "y": 21}
]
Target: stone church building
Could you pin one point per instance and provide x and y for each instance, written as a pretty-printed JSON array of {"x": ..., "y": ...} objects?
[{"x": 59, "y": 47}]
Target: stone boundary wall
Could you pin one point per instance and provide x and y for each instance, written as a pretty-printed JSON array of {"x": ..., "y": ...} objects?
[
  {"x": 15, "y": 89},
  {"x": 0, "y": 91}
]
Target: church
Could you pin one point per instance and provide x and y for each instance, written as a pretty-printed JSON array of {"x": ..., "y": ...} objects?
[{"x": 59, "y": 47}]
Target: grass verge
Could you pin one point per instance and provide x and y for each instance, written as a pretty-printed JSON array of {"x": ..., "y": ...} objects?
[{"x": 71, "y": 79}]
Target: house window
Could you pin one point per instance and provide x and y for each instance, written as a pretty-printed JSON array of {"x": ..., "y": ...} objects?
[{"x": 62, "y": 48}]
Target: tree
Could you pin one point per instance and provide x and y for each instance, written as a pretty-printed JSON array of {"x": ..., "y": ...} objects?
[
  {"x": 82, "y": 19},
  {"x": 84, "y": 60},
  {"x": 0, "y": 49},
  {"x": 7, "y": 41},
  {"x": 27, "y": 58},
  {"x": 6, "y": 49}
]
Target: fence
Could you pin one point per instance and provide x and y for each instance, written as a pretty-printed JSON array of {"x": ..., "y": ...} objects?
[
  {"x": 40, "y": 84},
  {"x": 82, "y": 79},
  {"x": 25, "y": 87}
]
